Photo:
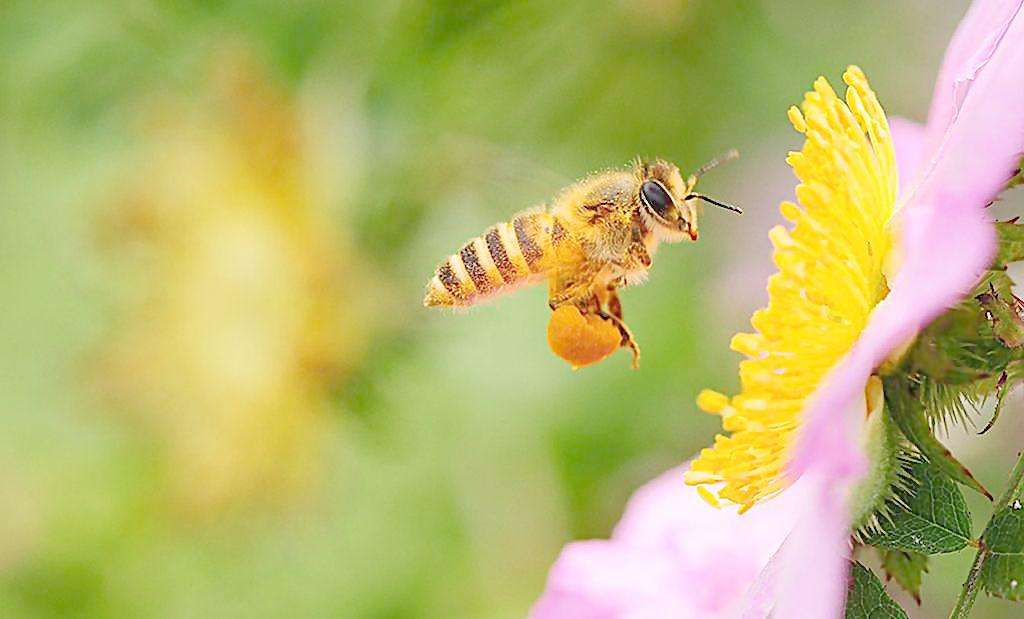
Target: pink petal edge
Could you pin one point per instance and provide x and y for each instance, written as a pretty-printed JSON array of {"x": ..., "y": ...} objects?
[
  {"x": 972, "y": 45},
  {"x": 909, "y": 142},
  {"x": 672, "y": 554}
]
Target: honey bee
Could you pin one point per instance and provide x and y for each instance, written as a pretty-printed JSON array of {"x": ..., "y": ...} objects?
[{"x": 600, "y": 234}]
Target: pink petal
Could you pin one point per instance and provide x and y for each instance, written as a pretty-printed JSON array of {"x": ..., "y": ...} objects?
[
  {"x": 908, "y": 139},
  {"x": 983, "y": 144},
  {"x": 604, "y": 579},
  {"x": 667, "y": 513},
  {"x": 672, "y": 555},
  {"x": 807, "y": 577},
  {"x": 786, "y": 587},
  {"x": 972, "y": 46}
]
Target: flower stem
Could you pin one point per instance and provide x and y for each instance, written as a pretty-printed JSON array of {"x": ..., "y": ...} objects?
[{"x": 969, "y": 592}]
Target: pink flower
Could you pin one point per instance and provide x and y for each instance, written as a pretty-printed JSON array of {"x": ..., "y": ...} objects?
[
  {"x": 686, "y": 564},
  {"x": 671, "y": 555}
]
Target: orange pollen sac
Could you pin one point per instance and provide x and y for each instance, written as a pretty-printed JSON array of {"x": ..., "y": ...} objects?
[{"x": 581, "y": 340}]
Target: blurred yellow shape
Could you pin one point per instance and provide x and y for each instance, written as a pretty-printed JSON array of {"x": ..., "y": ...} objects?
[{"x": 245, "y": 313}]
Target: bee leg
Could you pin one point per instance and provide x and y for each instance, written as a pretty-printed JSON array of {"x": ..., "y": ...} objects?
[
  {"x": 575, "y": 294},
  {"x": 577, "y": 291},
  {"x": 610, "y": 308},
  {"x": 614, "y": 304},
  {"x": 627, "y": 336}
]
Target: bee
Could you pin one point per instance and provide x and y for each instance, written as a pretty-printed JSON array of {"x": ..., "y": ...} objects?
[{"x": 600, "y": 234}]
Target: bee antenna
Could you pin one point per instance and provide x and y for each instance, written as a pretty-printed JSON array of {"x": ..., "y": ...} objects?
[
  {"x": 728, "y": 207},
  {"x": 726, "y": 157}
]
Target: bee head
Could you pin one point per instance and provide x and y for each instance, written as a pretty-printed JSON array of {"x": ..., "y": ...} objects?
[{"x": 668, "y": 203}]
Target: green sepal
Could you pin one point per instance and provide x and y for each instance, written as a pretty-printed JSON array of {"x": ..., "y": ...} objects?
[
  {"x": 928, "y": 515},
  {"x": 1000, "y": 308},
  {"x": 866, "y": 597},
  {"x": 907, "y": 569},
  {"x": 881, "y": 446},
  {"x": 1001, "y": 390},
  {"x": 903, "y": 402},
  {"x": 962, "y": 346}
]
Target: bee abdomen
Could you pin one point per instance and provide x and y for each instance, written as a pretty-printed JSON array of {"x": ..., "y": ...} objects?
[{"x": 508, "y": 254}]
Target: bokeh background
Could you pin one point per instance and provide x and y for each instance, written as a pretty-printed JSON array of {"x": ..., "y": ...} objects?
[{"x": 219, "y": 393}]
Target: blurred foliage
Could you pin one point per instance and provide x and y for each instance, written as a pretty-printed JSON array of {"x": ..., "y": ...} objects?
[{"x": 456, "y": 455}]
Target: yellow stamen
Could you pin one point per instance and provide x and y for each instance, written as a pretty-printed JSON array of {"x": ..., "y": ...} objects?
[
  {"x": 831, "y": 276},
  {"x": 708, "y": 497},
  {"x": 712, "y": 401}
]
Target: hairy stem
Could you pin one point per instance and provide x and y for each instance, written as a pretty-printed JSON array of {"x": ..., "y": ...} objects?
[{"x": 969, "y": 592}]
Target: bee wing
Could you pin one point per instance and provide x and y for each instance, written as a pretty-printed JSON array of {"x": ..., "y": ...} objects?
[{"x": 488, "y": 170}]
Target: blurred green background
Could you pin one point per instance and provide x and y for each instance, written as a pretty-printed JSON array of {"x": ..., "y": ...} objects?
[{"x": 219, "y": 393}]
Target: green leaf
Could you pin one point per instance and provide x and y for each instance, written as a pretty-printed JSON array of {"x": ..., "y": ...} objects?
[
  {"x": 866, "y": 597},
  {"x": 997, "y": 566},
  {"x": 907, "y": 569},
  {"x": 1002, "y": 574},
  {"x": 910, "y": 418},
  {"x": 1011, "y": 243},
  {"x": 931, "y": 518}
]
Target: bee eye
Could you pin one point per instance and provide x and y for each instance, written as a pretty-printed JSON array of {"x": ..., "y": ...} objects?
[{"x": 654, "y": 196}]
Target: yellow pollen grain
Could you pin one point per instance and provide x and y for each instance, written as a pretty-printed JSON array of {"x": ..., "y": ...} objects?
[{"x": 831, "y": 275}]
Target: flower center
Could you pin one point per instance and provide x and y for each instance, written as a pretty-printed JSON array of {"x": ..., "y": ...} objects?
[{"x": 829, "y": 280}]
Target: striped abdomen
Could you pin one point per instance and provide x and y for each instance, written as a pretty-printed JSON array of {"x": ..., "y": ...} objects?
[{"x": 510, "y": 253}]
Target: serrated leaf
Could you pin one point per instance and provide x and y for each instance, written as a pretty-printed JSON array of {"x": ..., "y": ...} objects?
[
  {"x": 931, "y": 518},
  {"x": 910, "y": 418},
  {"x": 907, "y": 569},
  {"x": 1002, "y": 573},
  {"x": 866, "y": 597}
]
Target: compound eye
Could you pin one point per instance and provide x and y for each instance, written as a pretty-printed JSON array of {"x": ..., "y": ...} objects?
[{"x": 655, "y": 196}]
